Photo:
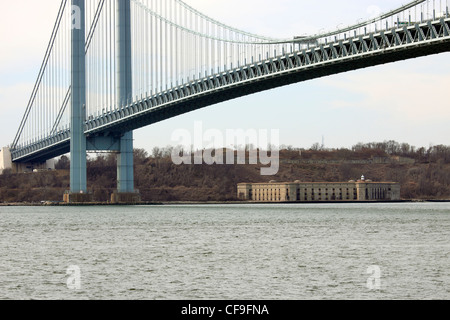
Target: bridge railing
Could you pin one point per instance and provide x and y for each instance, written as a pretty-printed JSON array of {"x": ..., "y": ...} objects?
[{"x": 419, "y": 11}]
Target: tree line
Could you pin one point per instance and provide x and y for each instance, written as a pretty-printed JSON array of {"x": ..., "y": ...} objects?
[{"x": 158, "y": 179}]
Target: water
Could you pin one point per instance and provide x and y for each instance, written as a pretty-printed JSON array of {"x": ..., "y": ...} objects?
[{"x": 289, "y": 252}]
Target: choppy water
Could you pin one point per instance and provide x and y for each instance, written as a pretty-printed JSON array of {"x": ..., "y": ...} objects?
[{"x": 290, "y": 252}]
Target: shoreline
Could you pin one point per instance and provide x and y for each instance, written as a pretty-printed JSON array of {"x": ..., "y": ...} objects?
[{"x": 186, "y": 203}]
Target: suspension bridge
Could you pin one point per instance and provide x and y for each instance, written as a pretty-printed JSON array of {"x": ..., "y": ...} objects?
[{"x": 115, "y": 66}]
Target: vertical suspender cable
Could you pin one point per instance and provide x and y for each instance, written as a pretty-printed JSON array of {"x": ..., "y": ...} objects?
[
  {"x": 147, "y": 52},
  {"x": 166, "y": 46},
  {"x": 159, "y": 54}
]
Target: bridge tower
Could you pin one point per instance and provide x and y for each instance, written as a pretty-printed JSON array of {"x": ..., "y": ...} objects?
[
  {"x": 79, "y": 143},
  {"x": 78, "y": 174},
  {"x": 125, "y": 172}
]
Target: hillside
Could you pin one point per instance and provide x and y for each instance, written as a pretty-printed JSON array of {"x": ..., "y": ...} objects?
[{"x": 423, "y": 174}]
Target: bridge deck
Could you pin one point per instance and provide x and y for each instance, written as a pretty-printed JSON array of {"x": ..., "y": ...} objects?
[{"x": 416, "y": 40}]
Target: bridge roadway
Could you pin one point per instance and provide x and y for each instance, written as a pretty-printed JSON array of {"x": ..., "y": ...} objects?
[{"x": 407, "y": 42}]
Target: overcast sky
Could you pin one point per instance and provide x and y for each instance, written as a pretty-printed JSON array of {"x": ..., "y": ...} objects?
[{"x": 406, "y": 101}]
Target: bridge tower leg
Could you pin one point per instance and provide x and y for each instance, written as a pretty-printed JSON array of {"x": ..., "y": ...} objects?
[
  {"x": 78, "y": 175},
  {"x": 125, "y": 171}
]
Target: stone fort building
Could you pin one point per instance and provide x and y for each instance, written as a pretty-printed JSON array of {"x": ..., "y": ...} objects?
[{"x": 361, "y": 190}]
